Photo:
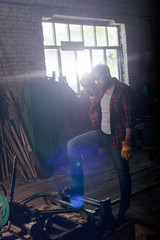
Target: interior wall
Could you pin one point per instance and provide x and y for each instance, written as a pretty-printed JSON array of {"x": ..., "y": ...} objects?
[
  {"x": 22, "y": 54},
  {"x": 21, "y": 41}
]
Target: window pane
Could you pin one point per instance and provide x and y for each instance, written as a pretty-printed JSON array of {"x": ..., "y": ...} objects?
[
  {"x": 48, "y": 33},
  {"x": 101, "y": 36},
  {"x": 51, "y": 62},
  {"x": 97, "y": 56},
  {"x": 75, "y": 31},
  {"x": 61, "y": 33},
  {"x": 112, "y": 62},
  {"x": 112, "y": 36},
  {"x": 89, "y": 39},
  {"x": 83, "y": 62},
  {"x": 69, "y": 68}
]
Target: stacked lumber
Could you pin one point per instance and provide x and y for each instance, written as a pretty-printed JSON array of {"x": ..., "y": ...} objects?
[{"x": 14, "y": 141}]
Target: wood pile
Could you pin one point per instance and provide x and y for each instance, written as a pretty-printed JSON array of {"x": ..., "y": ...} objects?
[{"x": 14, "y": 141}]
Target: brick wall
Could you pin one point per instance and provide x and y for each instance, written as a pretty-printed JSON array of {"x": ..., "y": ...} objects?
[
  {"x": 140, "y": 51},
  {"x": 21, "y": 39},
  {"x": 21, "y": 51}
]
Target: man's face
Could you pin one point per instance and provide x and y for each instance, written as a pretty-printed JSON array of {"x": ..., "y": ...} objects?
[{"x": 100, "y": 79}]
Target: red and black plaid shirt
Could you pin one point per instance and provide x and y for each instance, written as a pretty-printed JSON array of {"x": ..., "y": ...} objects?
[{"x": 122, "y": 111}]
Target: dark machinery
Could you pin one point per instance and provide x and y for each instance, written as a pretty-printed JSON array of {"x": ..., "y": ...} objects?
[
  {"x": 148, "y": 129},
  {"x": 53, "y": 223}
]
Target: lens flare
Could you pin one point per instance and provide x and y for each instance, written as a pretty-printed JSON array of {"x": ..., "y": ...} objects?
[
  {"x": 77, "y": 201},
  {"x": 78, "y": 164}
]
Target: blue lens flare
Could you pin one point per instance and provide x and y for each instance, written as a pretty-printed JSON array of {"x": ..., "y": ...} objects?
[
  {"x": 58, "y": 165},
  {"x": 78, "y": 164},
  {"x": 77, "y": 200}
]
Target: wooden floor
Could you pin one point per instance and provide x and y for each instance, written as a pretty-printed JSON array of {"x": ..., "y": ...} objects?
[{"x": 101, "y": 181}]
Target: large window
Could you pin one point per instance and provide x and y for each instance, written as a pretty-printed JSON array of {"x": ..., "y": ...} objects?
[{"x": 87, "y": 45}]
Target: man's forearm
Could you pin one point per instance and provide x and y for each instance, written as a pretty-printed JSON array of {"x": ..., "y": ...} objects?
[{"x": 128, "y": 134}]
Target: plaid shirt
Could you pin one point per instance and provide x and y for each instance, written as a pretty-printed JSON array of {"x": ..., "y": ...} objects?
[{"x": 122, "y": 111}]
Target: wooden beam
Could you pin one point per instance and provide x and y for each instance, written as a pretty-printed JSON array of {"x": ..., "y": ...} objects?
[{"x": 4, "y": 149}]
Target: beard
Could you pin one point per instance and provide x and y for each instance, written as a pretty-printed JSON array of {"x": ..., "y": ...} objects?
[{"x": 106, "y": 83}]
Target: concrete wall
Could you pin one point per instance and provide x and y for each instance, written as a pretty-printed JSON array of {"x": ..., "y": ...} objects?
[{"x": 21, "y": 39}]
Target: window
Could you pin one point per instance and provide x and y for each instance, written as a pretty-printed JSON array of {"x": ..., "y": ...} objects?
[{"x": 94, "y": 44}]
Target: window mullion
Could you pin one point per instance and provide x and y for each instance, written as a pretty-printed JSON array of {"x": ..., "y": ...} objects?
[
  {"x": 54, "y": 34},
  {"x": 105, "y": 57},
  {"x": 91, "y": 57},
  {"x": 119, "y": 51},
  {"x": 107, "y": 37},
  {"x": 77, "y": 73},
  {"x": 60, "y": 63},
  {"x": 95, "y": 39},
  {"x": 69, "y": 32},
  {"x": 82, "y": 33}
]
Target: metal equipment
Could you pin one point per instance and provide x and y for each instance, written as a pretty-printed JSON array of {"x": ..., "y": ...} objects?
[
  {"x": 61, "y": 221},
  {"x": 149, "y": 129}
]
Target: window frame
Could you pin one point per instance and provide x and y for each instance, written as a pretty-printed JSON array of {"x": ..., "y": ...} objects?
[{"x": 95, "y": 24}]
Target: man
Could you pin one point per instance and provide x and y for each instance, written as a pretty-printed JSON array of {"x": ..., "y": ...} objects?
[{"x": 112, "y": 114}]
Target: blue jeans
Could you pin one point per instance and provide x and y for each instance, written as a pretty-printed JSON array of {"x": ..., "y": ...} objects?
[{"x": 86, "y": 146}]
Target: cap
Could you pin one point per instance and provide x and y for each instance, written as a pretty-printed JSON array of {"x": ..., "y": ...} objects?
[{"x": 101, "y": 68}]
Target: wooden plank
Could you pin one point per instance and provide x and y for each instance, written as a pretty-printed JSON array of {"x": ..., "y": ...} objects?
[
  {"x": 17, "y": 152},
  {"x": 96, "y": 187},
  {"x": 35, "y": 162},
  {"x": 2, "y": 168},
  {"x": 11, "y": 157},
  {"x": 27, "y": 150},
  {"x": 4, "y": 149},
  {"x": 23, "y": 152}
]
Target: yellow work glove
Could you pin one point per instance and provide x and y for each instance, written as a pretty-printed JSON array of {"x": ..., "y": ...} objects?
[{"x": 126, "y": 151}]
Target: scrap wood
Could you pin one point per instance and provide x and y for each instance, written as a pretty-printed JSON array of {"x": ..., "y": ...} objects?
[
  {"x": 23, "y": 152},
  {"x": 4, "y": 149},
  {"x": 31, "y": 152},
  {"x": 11, "y": 157},
  {"x": 2, "y": 167},
  {"x": 25, "y": 137},
  {"x": 21, "y": 128},
  {"x": 25, "y": 160},
  {"x": 27, "y": 151},
  {"x": 15, "y": 141},
  {"x": 17, "y": 151}
]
